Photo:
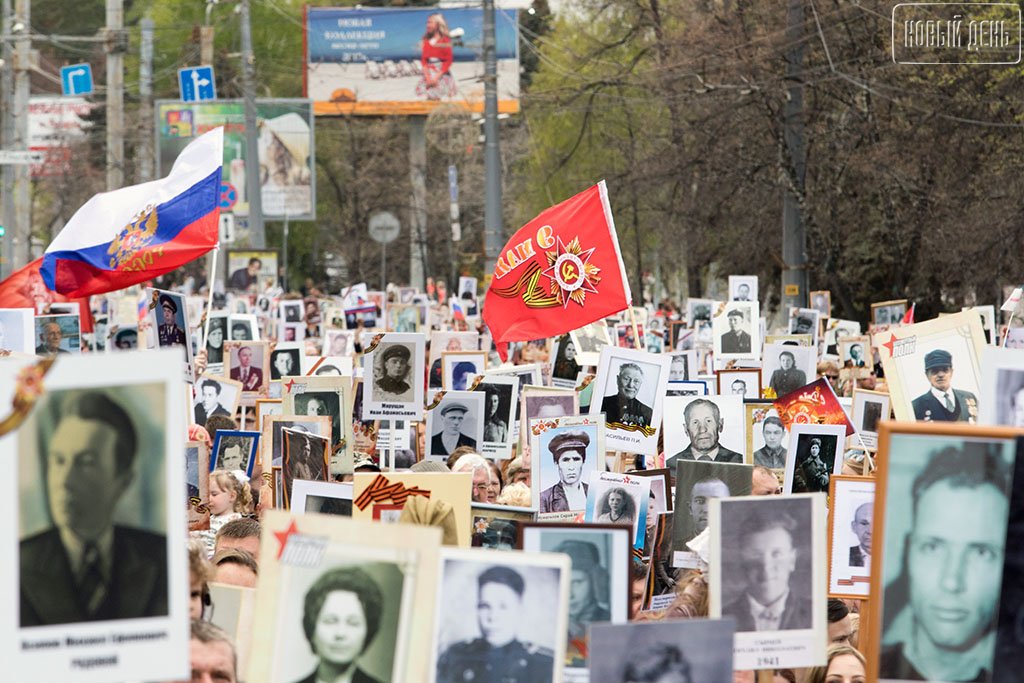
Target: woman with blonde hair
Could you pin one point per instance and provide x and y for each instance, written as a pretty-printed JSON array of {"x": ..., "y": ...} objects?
[
  {"x": 845, "y": 665},
  {"x": 436, "y": 59}
]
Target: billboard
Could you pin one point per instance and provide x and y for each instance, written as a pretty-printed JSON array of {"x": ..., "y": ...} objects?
[
  {"x": 287, "y": 154},
  {"x": 405, "y": 61},
  {"x": 54, "y": 124}
]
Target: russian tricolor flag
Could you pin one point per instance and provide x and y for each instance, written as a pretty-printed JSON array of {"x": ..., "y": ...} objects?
[{"x": 127, "y": 236}]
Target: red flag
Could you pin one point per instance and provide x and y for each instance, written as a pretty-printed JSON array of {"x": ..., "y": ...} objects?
[
  {"x": 813, "y": 403},
  {"x": 26, "y": 289},
  {"x": 559, "y": 272},
  {"x": 908, "y": 317}
]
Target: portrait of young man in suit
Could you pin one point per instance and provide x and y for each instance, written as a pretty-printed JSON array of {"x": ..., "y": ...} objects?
[
  {"x": 245, "y": 372},
  {"x": 860, "y": 554},
  {"x": 85, "y": 567},
  {"x": 943, "y": 403}
]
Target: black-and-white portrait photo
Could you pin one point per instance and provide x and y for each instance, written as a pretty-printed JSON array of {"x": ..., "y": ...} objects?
[
  {"x": 699, "y": 310},
  {"x": 215, "y": 396},
  {"x": 215, "y": 339},
  {"x": 852, "y": 520},
  {"x": 629, "y": 393},
  {"x": 670, "y": 651},
  {"x": 614, "y": 498},
  {"x": 742, "y": 288},
  {"x": 290, "y": 311},
  {"x": 326, "y": 403},
  {"x": 599, "y": 584},
  {"x": 393, "y": 378},
  {"x": 323, "y": 497},
  {"x": 17, "y": 330},
  {"x": 743, "y": 383},
  {"x": 888, "y": 312},
  {"x": 460, "y": 368},
  {"x": 285, "y": 362},
  {"x": 737, "y": 333},
  {"x": 1009, "y": 653},
  {"x": 543, "y": 402},
  {"x": 243, "y": 327},
  {"x": 234, "y": 450},
  {"x": 272, "y": 428},
  {"x": 92, "y": 519},
  {"x": 943, "y": 527},
  {"x": 500, "y": 401},
  {"x": 124, "y": 338},
  {"x": 305, "y": 457},
  {"x": 697, "y": 484},
  {"x": 441, "y": 342},
  {"x": 589, "y": 340},
  {"x": 565, "y": 368},
  {"x": 501, "y": 618},
  {"x": 787, "y": 367},
  {"x": 767, "y": 563},
  {"x": 821, "y": 301},
  {"x": 769, "y": 438},
  {"x": 338, "y": 342},
  {"x": 855, "y": 352},
  {"x": 456, "y": 421},
  {"x": 680, "y": 365},
  {"x": 817, "y": 454},
  {"x": 869, "y": 409},
  {"x": 804, "y": 321},
  {"x": 57, "y": 334},
  {"x": 704, "y": 428},
  {"x": 567, "y": 456}
]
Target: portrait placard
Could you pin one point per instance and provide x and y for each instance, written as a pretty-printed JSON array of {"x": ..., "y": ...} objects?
[
  {"x": 691, "y": 649},
  {"x": 404, "y": 318},
  {"x": 769, "y": 551},
  {"x": 855, "y": 353},
  {"x": 1002, "y": 387},
  {"x": 265, "y": 407},
  {"x": 683, "y": 365},
  {"x": 614, "y": 498},
  {"x": 305, "y": 457},
  {"x": 197, "y": 479},
  {"x": 441, "y": 342},
  {"x": 687, "y": 388},
  {"x": 743, "y": 288},
  {"x": 328, "y": 365},
  {"x": 322, "y": 497},
  {"x": 498, "y": 526},
  {"x": 329, "y": 396},
  {"x": 393, "y": 378},
  {"x": 423, "y": 498},
  {"x": 698, "y": 482},
  {"x": 457, "y": 420},
  {"x": 344, "y": 569},
  {"x": 630, "y": 391},
  {"x": 850, "y": 522},
  {"x": 886, "y": 313},
  {"x": 338, "y": 342},
  {"x": 589, "y": 340},
  {"x": 125, "y": 338},
  {"x": 815, "y": 454},
  {"x": 99, "y": 456},
  {"x": 458, "y": 368},
  {"x": 501, "y": 397},
  {"x": 737, "y": 332},
  {"x": 520, "y": 603},
  {"x": 248, "y": 362},
  {"x": 272, "y": 445},
  {"x": 58, "y": 334},
  {"x": 285, "y": 359},
  {"x": 869, "y": 408},
  {"x": 17, "y": 331},
  {"x": 564, "y": 365},
  {"x": 243, "y": 327},
  {"x": 740, "y": 382},
  {"x": 169, "y": 325},
  {"x": 933, "y": 369},
  {"x": 599, "y": 592},
  {"x": 569, "y": 450},
  {"x": 216, "y": 336},
  {"x": 235, "y": 450},
  {"x": 248, "y": 269},
  {"x": 700, "y": 310},
  {"x": 1009, "y": 650},
  {"x": 940, "y": 521},
  {"x": 704, "y": 426},
  {"x": 767, "y": 437},
  {"x": 821, "y": 301},
  {"x": 786, "y": 368},
  {"x": 544, "y": 402},
  {"x": 805, "y": 321},
  {"x": 214, "y": 395}
]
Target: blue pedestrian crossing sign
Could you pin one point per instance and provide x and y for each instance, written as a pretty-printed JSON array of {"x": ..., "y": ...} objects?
[
  {"x": 76, "y": 79},
  {"x": 196, "y": 84}
]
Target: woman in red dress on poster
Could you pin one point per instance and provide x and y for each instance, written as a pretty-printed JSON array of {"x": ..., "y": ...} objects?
[{"x": 436, "y": 59}]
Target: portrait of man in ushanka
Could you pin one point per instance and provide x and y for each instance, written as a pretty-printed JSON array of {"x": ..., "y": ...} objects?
[
  {"x": 943, "y": 403},
  {"x": 85, "y": 567}
]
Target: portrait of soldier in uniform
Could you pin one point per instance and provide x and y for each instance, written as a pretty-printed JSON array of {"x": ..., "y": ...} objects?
[
  {"x": 623, "y": 407},
  {"x": 85, "y": 567},
  {"x": 943, "y": 403},
  {"x": 392, "y": 381},
  {"x": 498, "y": 655},
  {"x": 169, "y": 333},
  {"x": 569, "y": 451},
  {"x": 737, "y": 339},
  {"x": 773, "y": 454},
  {"x": 215, "y": 340}
]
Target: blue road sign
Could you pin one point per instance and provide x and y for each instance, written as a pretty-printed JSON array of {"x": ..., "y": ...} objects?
[
  {"x": 76, "y": 79},
  {"x": 196, "y": 84}
]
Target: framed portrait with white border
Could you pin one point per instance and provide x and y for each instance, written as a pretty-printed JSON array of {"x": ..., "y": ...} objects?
[
  {"x": 737, "y": 332},
  {"x": 687, "y": 388},
  {"x": 568, "y": 450},
  {"x": 214, "y": 395},
  {"x": 330, "y": 396},
  {"x": 886, "y": 313},
  {"x": 393, "y": 372},
  {"x": 630, "y": 391},
  {"x": 745, "y": 382},
  {"x": 127, "y": 407},
  {"x": 850, "y": 522},
  {"x": 169, "y": 325},
  {"x": 390, "y": 572},
  {"x": 767, "y": 437},
  {"x": 448, "y": 341},
  {"x": 501, "y": 399},
  {"x": 322, "y": 497},
  {"x": 869, "y": 408},
  {"x": 249, "y": 364},
  {"x": 1002, "y": 387},
  {"x": 547, "y": 402},
  {"x": 683, "y": 365},
  {"x": 924, "y": 361},
  {"x": 17, "y": 331},
  {"x": 532, "y": 590},
  {"x": 602, "y": 568},
  {"x": 337, "y": 342},
  {"x": 456, "y": 420},
  {"x": 459, "y": 368},
  {"x": 815, "y": 454},
  {"x": 197, "y": 479},
  {"x": 243, "y": 327},
  {"x": 821, "y": 301},
  {"x": 700, "y": 647},
  {"x": 286, "y": 359},
  {"x": 716, "y": 421},
  {"x": 614, "y": 498},
  {"x": 743, "y": 288},
  {"x": 58, "y": 334},
  {"x": 746, "y": 531},
  {"x": 805, "y": 321}
]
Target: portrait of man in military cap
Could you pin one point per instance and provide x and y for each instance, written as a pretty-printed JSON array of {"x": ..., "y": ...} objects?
[
  {"x": 737, "y": 339},
  {"x": 511, "y": 621},
  {"x": 170, "y": 331},
  {"x": 568, "y": 449},
  {"x": 943, "y": 403},
  {"x": 393, "y": 380}
]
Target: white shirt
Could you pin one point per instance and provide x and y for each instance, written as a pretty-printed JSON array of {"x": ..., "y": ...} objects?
[
  {"x": 575, "y": 496},
  {"x": 941, "y": 397},
  {"x": 450, "y": 441},
  {"x": 762, "y": 620}
]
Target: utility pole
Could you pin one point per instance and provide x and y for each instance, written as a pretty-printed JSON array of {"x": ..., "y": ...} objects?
[
  {"x": 418, "y": 211},
  {"x": 493, "y": 229},
  {"x": 257, "y": 233},
  {"x": 115, "y": 46},
  {"x": 22, "y": 224},
  {"x": 6, "y": 137},
  {"x": 145, "y": 170},
  {"x": 794, "y": 240},
  {"x": 206, "y": 37}
]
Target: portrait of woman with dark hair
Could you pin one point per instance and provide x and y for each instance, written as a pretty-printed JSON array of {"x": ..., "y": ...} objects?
[
  {"x": 341, "y": 617},
  {"x": 616, "y": 507}
]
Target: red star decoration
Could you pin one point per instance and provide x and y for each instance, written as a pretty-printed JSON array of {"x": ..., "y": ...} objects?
[
  {"x": 289, "y": 385},
  {"x": 889, "y": 344},
  {"x": 282, "y": 537}
]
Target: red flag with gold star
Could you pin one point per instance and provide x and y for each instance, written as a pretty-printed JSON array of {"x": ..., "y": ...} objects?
[{"x": 559, "y": 272}]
